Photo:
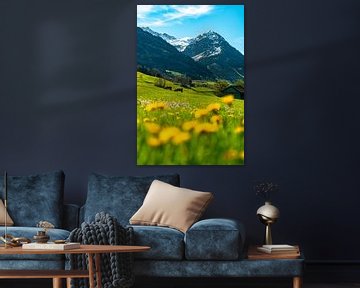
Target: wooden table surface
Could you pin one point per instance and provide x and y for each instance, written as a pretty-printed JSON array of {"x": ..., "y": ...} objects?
[{"x": 92, "y": 249}]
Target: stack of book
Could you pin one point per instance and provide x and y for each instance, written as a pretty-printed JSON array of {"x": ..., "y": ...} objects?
[
  {"x": 51, "y": 246},
  {"x": 274, "y": 252},
  {"x": 279, "y": 249}
]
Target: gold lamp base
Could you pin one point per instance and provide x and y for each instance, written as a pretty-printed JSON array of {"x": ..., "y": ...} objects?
[{"x": 268, "y": 238}]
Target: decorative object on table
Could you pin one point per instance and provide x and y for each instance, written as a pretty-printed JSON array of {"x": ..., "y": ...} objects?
[
  {"x": 41, "y": 236},
  {"x": 268, "y": 213},
  {"x": 116, "y": 268},
  {"x": 11, "y": 241},
  {"x": 59, "y": 241}
]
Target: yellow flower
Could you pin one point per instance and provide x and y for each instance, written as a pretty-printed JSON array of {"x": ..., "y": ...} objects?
[
  {"x": 213, "y": 107},
  {"x": 155, "y": 106},
  {"x": 228, "y": 99},
  {"x": 206, "y": 128},
  {"x": 153, "y": 142},
  {"x": 242, "y": 154},
  {"x": 239, "y": 129},
  {"x": 216, "y": 119},
  {"x": 166, "y": 134},
  {"x": 189, "y": 125},
  {"x": 201, "y": 112},
  {"x": 152, "y": 127},
  {"x": 181, "y": 137},
  {"x": 231, "y": 154},
  {"x": 146, "y": 120}
]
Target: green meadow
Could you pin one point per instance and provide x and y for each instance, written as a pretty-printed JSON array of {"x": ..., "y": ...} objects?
[{"x": 193, "y": 127}]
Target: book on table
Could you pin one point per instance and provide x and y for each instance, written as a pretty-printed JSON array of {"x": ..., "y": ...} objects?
[
  {"x": 51, "y": 246},
  {"x": 278, "y": 249}
]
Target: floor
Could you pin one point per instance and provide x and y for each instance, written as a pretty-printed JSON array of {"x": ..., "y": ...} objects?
[
  {"x": 246, "y": 284},
  {"x": 339, "y": 285}
]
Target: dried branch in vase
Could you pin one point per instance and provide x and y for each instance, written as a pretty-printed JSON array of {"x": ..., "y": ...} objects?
[{"x": 265, "y": 189}]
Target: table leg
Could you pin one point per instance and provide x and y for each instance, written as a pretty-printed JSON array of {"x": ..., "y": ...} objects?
[
  {"x": 297, "y": 282},
  {"x": 68, "y": 282},
  {"x": 91, "y": 270},
  {"x": 98, "y": 270},
  {"x": 57, "y": 283}
]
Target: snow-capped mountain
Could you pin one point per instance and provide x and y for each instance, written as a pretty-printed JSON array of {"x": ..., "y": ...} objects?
[
  {"x": 205, "y": 45},
  {"x": 210, "y": 50},
  {"x": 213, "y": 51},
  {"x": 179, "y": 43},
  {"x": 153, "y": 52}
]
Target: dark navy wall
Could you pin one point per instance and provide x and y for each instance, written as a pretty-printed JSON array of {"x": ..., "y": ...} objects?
[{"x": 68, "y": 101}]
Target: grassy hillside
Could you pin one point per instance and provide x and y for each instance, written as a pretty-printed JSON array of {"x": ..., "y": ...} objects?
[{"x": 193, "y": 127}]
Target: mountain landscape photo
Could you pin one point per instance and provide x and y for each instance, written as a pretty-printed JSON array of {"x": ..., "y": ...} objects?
[
  {"x": 214, "y": 57},
  {"x": 190, "y": 85}
]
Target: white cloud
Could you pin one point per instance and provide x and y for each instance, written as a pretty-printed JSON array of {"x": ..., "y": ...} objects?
[
  {"x": 189, "y": 11},
  {"x": 144, "y": 10},
  {"x": 165, "y": 14}
]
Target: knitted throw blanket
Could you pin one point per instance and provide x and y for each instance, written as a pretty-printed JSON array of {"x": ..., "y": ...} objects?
[{"x": 116, "y": 268}]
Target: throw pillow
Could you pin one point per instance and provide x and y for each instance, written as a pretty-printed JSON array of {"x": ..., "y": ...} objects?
[
  {"x": 120, "y": 196},
  {"x": 9, "y": 221},
  {"x": 35, "y": 198},
  {"x": 170, "y": 206}
]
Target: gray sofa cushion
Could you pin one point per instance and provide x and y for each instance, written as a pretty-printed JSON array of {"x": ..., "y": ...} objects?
[
  {"x": 165, "y": 243},
  {"x": 214, "y": 239},
  {"x": 119, "y": 196},
  {"x": 35, "y": 198},
  {"x": 29, "y": 232}
]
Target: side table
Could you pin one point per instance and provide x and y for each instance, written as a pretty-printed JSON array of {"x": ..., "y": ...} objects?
[{"x": 288, "y": 259}]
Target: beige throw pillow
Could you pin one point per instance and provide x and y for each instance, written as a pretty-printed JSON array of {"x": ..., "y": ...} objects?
[
  {"x": 9, "y": 221},
  {"x": 170, "y": 206}
]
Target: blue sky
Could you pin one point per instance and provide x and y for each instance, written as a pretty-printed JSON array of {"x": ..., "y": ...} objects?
[{"x": 191, "y": 20}]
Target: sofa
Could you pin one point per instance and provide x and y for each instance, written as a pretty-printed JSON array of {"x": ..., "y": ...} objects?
[
  {"x": 32, "y": 199},
  {"x": 209, "y": 248}
]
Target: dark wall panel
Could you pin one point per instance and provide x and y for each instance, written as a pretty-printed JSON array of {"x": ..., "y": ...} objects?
[{"x": 68, "y": 101}]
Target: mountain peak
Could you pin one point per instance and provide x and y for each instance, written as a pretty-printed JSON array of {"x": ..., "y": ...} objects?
[
  {"x": 212, "y": 35},
  {"x": 147, "y": 29},
  {"x": 165, "y": 36}
]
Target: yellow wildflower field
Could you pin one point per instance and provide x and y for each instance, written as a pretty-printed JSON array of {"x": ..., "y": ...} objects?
[{"x": 193, "y": 127}]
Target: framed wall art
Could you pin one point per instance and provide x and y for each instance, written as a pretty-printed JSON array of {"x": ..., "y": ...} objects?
[{"x": 190, "y": 85}]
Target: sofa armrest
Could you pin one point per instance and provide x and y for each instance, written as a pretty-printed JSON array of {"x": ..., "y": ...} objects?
[
  {"x": 71, "y": 216},
  {"x": 215, "y": 239}
]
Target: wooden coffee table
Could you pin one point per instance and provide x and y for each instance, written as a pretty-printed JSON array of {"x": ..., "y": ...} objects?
[{"x": 92, "y": 251}]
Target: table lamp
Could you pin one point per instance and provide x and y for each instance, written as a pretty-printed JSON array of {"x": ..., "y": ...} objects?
[{"x": 268, "y": 214}]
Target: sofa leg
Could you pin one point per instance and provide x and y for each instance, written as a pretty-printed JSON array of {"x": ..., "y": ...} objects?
[
  {"x": 297, "y": 282},
  {"x": 57, "y": 283}
]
